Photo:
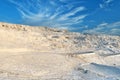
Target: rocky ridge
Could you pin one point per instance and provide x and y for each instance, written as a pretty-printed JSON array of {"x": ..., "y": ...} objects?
[{"x": 39, "y": 51}]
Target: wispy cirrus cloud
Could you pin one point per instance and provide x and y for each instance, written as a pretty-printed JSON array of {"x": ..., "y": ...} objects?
[
  {"x": 72, "y": 13},
  {"x": 52, "y": 13},
  {"x": 106, "y": 28},
  {"x": 105, "y": 3}
]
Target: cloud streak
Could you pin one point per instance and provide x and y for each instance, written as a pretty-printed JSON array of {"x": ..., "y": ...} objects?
[
  {"x": 52, "y": 13},
  {"x": 105, "y": 28},
  {"x": 105, "y": 3}
]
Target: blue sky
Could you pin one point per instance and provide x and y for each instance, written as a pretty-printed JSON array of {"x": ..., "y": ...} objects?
[{"x": 87, "y": 16}]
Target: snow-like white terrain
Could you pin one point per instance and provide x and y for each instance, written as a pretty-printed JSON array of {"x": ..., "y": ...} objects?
[{"x": 41, "y": 53}]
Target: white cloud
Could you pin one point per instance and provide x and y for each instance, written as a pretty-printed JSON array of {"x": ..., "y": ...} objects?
[
  {"x": 53, "y": 15},
  {"x": 79, "y": 17},
  {"x": 72, "y": 13},
  {"x": 105, "y": 28},
  {"x": 108, "y": 1},
  {"x": 105, "y": 3}
]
